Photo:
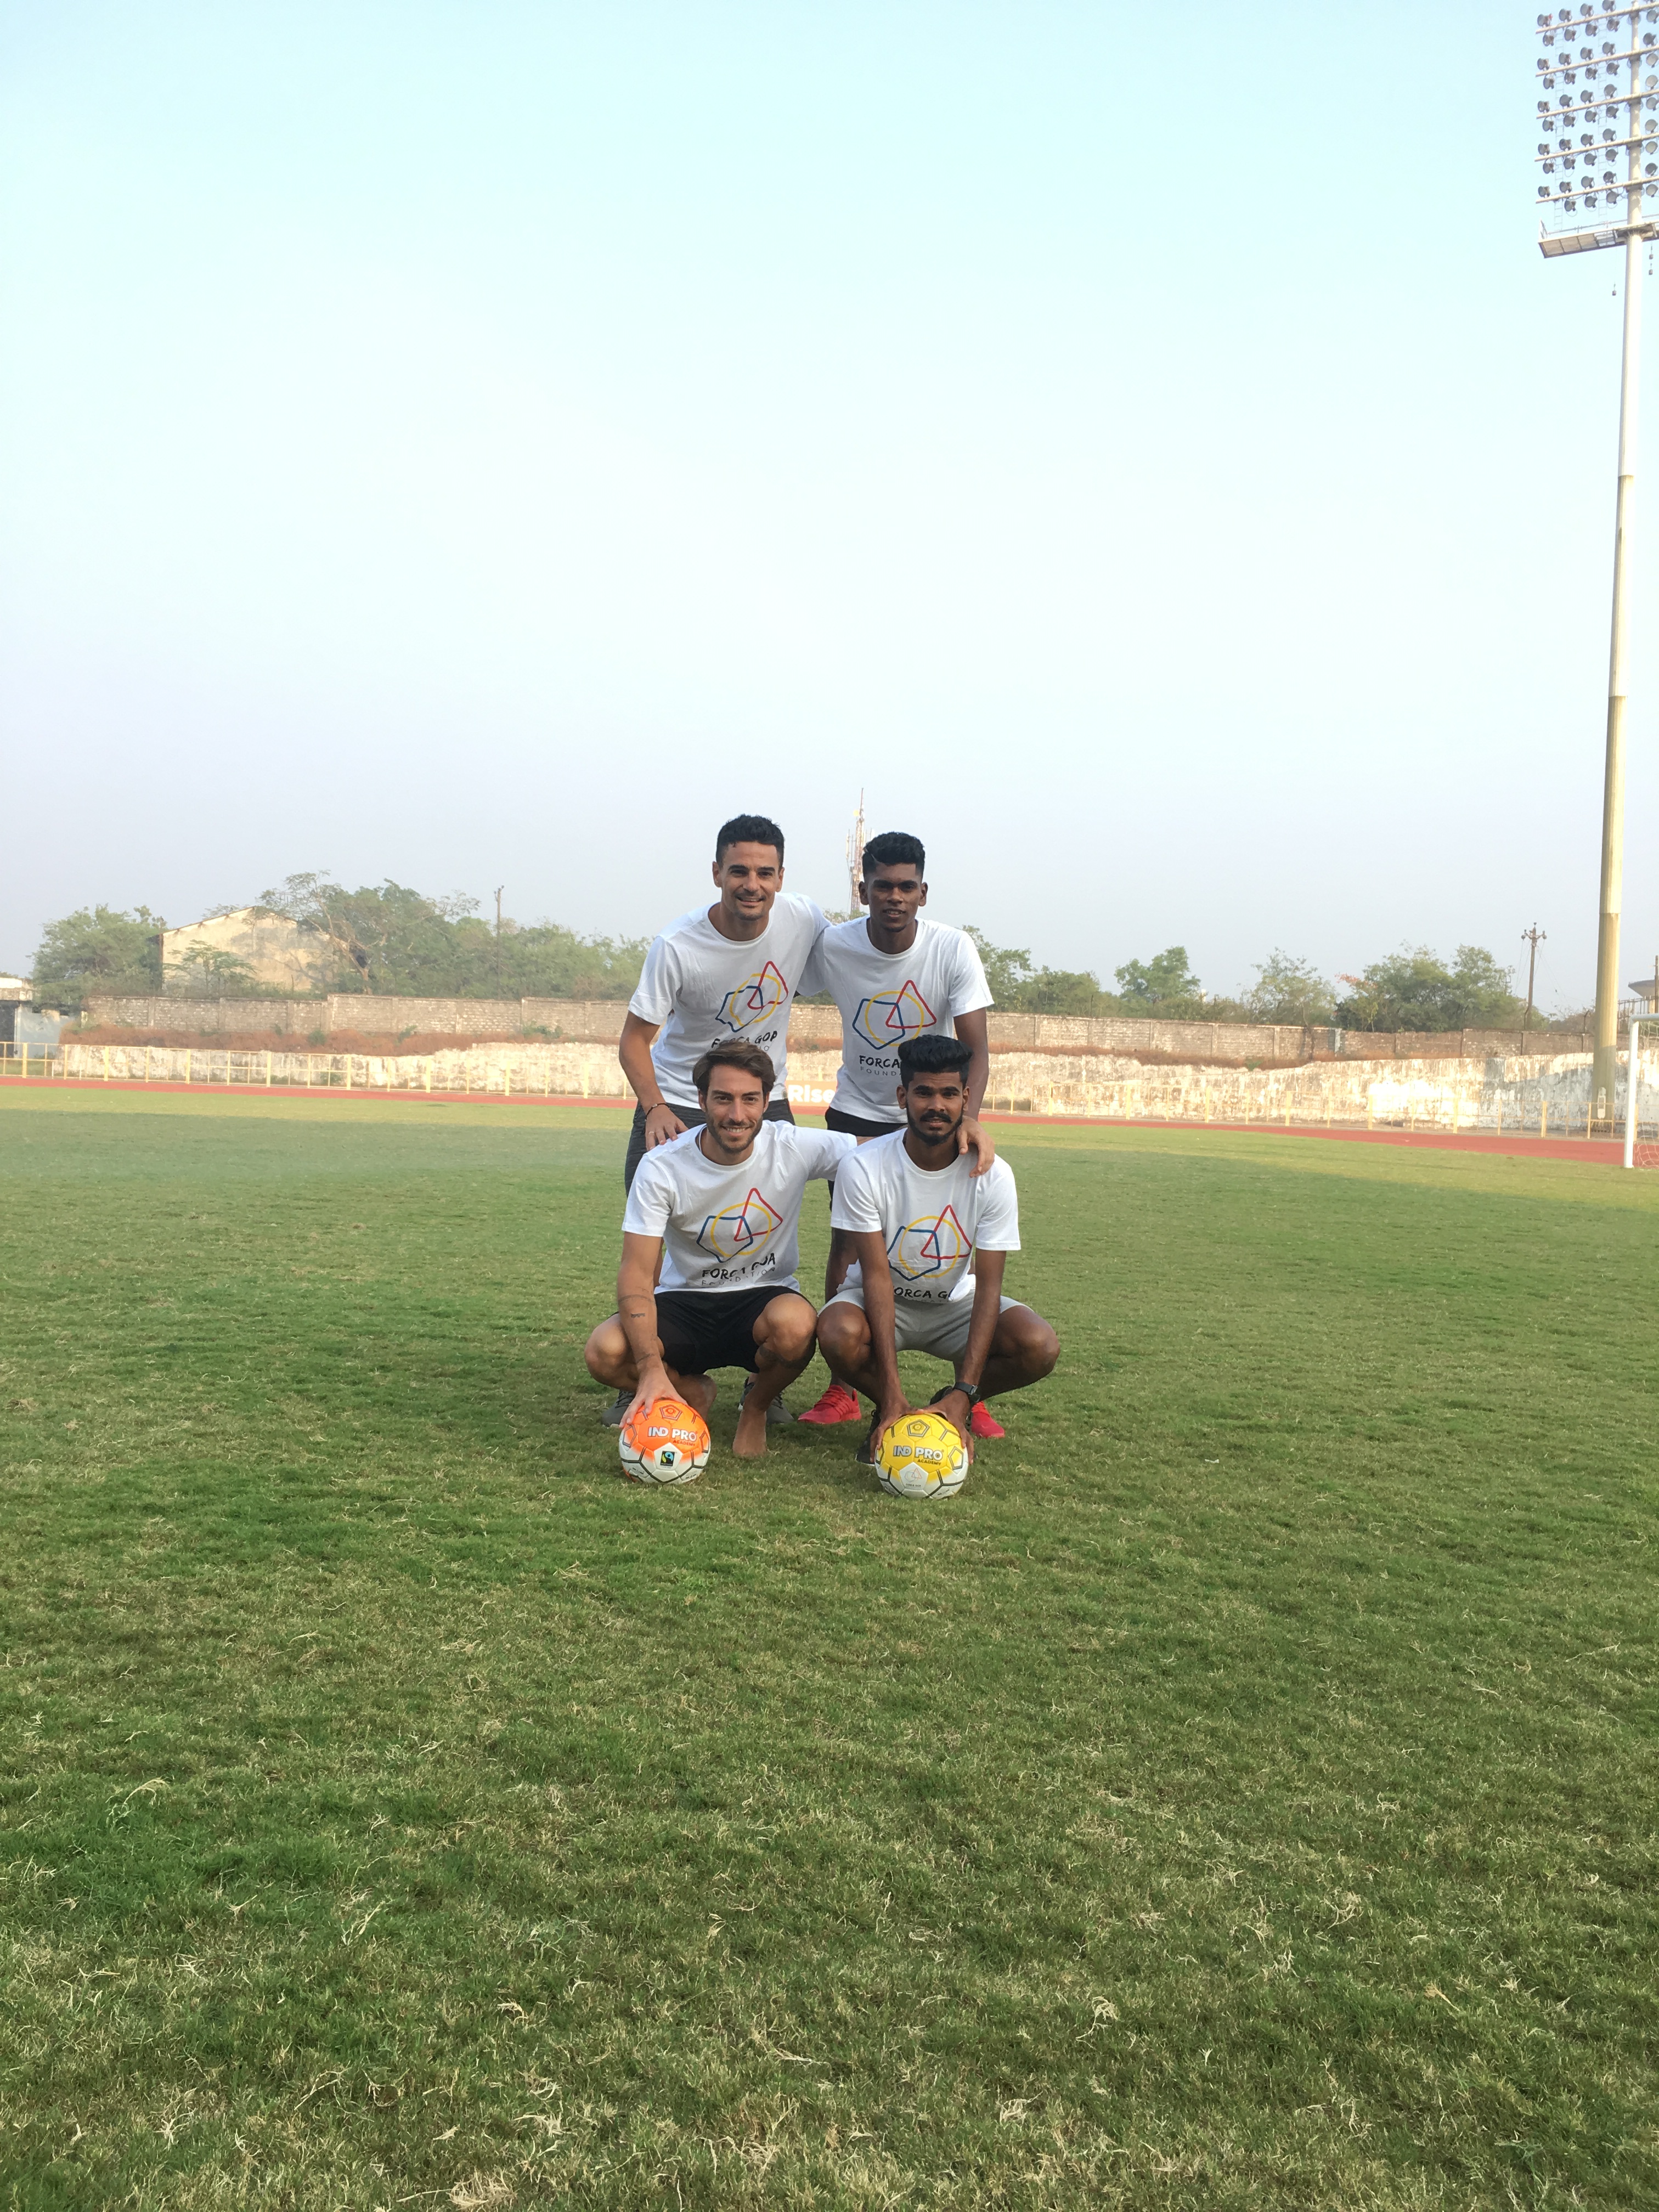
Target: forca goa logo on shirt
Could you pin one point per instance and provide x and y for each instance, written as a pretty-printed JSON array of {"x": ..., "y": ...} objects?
[
  {"x": 887, "y": 1019},
  {"x": 738, "y": 1232},
  {"x": 936, "y": 1245},
  {"x": 756, "y": 998}
]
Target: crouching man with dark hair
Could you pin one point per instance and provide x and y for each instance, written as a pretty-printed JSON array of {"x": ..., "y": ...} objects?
[
  {"x": 929, "y": 1239},
  {"x": 719, "y": 1205}
]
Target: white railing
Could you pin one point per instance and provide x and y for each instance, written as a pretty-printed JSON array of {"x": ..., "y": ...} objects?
[{"x": 1514, "y": 1098}]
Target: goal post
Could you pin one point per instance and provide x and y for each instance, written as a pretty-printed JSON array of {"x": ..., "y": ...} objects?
[{"x": 1637, "y": 1154}]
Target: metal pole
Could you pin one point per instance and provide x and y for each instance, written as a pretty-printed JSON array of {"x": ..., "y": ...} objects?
[
  {"x": 1532, "y": 936},
  {"x": 1604, "y": 1070},
  {"x": 1631, "y": 1085}
]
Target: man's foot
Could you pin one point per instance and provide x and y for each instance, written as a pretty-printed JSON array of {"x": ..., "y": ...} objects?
[
  {"x": 749, "y": 1441},
  {"x": 778, "y": 1415},
  {"x": 983, "y": 1424},
  {"x": 612, "y": 1416},
  {"x": 838, "y": 1403}
]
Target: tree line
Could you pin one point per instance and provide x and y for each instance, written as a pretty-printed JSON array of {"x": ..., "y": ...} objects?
[
  {"x": 382, "y": 938},
  {"x": 394, "y": 941},
  {"x": 1411, "y": 989}
]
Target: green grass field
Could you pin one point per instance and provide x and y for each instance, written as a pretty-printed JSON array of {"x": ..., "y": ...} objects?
[{"x": 1243, "y": 1794}]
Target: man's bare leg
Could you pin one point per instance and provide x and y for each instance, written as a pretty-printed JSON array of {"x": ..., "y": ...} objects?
[
  {"x": 609, "y": 1361},
  {"x": 1022, "y": 1351},
  {"x": 844, "y": 1340},
  {"x": 784, "y": 1344}
]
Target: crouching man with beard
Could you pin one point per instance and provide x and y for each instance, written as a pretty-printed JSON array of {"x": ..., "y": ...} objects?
[
  {"x": 720, "y": 1204},
  {"x": 931, "y": 1239}
]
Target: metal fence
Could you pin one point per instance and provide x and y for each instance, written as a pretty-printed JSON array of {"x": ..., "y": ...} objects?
[{"x": 26, "y": 1058}]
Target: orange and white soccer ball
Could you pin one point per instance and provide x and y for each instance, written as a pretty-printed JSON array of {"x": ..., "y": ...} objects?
[
  {"x": 664, "y": 1442},
  {"x": 921, "y": 1456}
]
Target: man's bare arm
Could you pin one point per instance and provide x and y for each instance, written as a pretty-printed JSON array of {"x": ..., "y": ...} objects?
[
  {"x": 974, "y": 1031},
  {"x": 637, "y": 1310},
  {"x": 661, "y": 1122}
]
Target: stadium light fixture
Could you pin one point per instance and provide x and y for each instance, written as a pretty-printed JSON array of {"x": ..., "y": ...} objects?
[{"x": 1598, "y": 153}]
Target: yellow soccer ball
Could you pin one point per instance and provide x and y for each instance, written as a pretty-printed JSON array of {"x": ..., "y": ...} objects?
[{"x": 921, "y": 1456}]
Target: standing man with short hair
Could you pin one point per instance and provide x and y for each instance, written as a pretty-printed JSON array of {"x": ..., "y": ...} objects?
[
  {"x": 931, "y": 1241},
  {"x": 723, "y": 973},
  {"x": 717, "y": 1211},
  {"x": 896, "y": 975}
]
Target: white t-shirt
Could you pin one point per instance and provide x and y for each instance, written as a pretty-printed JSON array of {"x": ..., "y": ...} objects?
[
  {"x": 703, "y": 989},
  {"x": 886, "y": 997},
  {"x": 732, "y": 1228},
  {"x": 932, "y": 1220}
]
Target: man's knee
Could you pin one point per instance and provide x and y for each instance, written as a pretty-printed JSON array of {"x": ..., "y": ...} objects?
[
  {"x": 605, "y": 1350},
  {"x": 844, "y": 1332},
  {"x": 1029, "y": 1339},
  {"x": 786, "y": 1330}
]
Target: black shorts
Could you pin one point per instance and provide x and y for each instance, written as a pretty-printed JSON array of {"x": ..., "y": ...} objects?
[
  {"x": 700, "y": 1329},
  {"x": 694, "y": 1118},
  {"x": 855, "y": 1125}
]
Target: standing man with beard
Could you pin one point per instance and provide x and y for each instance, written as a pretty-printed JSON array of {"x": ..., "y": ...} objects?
[
  {"x": 930, "y": 1240},
  {"x": 725, "y": 974}
]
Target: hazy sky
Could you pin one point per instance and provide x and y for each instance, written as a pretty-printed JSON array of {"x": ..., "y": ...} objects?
[{"x": 489, "y": 443}]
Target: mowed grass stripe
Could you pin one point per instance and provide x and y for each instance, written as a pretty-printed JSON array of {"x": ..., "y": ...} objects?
[{"x": 1242, "y": 1793}]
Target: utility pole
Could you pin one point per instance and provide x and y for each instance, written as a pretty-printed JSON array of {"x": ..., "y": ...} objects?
[
  {"x": 500, "y": 888},
  {"x": 1534, "y": 936},
  {"x": 1591, "y": 43}
]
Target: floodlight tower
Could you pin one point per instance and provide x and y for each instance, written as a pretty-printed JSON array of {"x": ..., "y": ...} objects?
[
  {"x": 1600, "y": 67},
  {"x": 855, "y": 859}
]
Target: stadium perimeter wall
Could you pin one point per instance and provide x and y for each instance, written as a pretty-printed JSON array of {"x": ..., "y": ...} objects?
[
  {"x": 600, "y": 1021},
  {"x": 1526, "y": 1091}
]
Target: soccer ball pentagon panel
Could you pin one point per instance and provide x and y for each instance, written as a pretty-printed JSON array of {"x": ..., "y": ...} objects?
[
  {"x": 664, "y": 1442},
  {"x": 921, "y": 1456}
]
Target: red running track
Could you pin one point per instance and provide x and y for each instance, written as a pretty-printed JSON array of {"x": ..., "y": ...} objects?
[{"x": 1600, "y": 1151}]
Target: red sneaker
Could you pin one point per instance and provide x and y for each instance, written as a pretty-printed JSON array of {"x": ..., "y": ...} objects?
[
  {"x": 838, "y": 1403},
  {"x": 981, "y": 1423}
]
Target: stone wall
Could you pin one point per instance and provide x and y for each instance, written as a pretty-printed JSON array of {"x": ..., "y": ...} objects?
[
  {"x": 206, "y": 1017},
  {"x": 363, "y": 1013},
  {"x": 1220, "y": 1044}
]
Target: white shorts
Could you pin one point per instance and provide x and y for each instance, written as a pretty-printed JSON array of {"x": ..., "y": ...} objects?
[{"x": 939, "y": 1326}]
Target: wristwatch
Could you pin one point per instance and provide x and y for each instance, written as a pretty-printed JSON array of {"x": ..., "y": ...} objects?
[{"x": 973, "y": 1392}]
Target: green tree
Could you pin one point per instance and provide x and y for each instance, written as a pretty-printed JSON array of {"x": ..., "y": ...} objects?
[
  {"x": 1017, "y": 986},
  {"x": 390, "y": 940},
  {"x": 1287, "y": 990},
  {"x": 98, "y": 948},
  {"x": 1163, "y": 984},
  {"x": 544, "y": 961},
  {"x": 206, "y": 971},
  {"x": 1414, "y": 989}
]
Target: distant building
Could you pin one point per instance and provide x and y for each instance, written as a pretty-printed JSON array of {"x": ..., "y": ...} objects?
[
  {"x": 19, "y": 1021},
  {"x": 250, "y": 944}
]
